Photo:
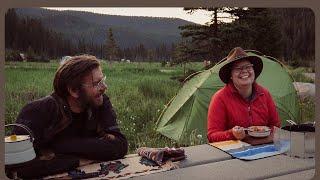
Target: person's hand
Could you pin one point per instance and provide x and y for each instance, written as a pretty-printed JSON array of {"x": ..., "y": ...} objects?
[
  {"x": 46, "y": 154},
  {"x": 258, "y": 141},
  {"x": 83, "y": 162},
  {"x": 108, "y": 137},
  {"x": 238, "y": 132}
]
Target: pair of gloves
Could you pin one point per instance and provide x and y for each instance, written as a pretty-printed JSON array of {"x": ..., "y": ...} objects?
[{"x": 162, "y": 155}]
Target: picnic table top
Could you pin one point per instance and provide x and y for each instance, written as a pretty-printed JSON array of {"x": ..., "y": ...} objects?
[
  {"x": 202, "y": 154},
  {"x": 269, "y": 167},
  {"x": 205, "y": 161},
  {"x": 308, "y": 174}
]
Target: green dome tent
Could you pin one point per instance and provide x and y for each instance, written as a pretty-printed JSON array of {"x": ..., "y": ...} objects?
[{"x": 186, "y": 114}]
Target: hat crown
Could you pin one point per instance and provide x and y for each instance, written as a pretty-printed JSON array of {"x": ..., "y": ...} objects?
[{"x": 236, "y": 53}]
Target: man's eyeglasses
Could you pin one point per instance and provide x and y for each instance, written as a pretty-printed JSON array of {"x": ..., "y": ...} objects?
[
  {"x": 239, "y": 69},
  {"x": 97, "y": 85}
]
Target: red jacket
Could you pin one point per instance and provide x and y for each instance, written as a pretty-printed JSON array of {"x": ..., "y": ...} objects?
[{"x": 228, "y": 109}]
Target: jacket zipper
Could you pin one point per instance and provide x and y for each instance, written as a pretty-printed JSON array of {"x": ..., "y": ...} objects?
[{"x": 250, "y": 115}]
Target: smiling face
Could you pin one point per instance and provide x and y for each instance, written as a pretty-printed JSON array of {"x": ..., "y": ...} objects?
[
  {"x": 93, "y": 87},
  {"x": 242, "y": 73}
]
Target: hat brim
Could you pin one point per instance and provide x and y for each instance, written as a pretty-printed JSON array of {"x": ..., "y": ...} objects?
[{"x": 225, "y": 71}]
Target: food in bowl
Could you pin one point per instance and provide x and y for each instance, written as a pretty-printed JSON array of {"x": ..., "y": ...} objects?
[{"x": 259, "y": 131}]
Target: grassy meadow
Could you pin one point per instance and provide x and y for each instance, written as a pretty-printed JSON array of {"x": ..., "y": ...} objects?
[{"x": 138, "y": 92}]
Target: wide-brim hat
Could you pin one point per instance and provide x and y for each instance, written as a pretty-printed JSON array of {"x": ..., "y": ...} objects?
[{"x": 238, "y": 54}]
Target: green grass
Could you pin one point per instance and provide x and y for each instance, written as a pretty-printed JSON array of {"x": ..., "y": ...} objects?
[
  {"x": 298, "y": 76},
  {"x": 138, "y": 92},
  {"x": 307, "y": 105}
]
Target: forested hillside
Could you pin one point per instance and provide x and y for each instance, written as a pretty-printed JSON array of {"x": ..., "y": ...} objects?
[
  {"x": 287, "y": 34},
  {"x": 129, "y": 31}
]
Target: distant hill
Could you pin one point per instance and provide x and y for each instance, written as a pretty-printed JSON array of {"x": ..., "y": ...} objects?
[{"x": 128, "y": 31}]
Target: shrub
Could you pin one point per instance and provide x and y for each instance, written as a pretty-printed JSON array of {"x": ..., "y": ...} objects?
[
  {"x": 37, "y": 58},
  {"x": 12, "y": 55},
  {"x": 298, "y": 75}
]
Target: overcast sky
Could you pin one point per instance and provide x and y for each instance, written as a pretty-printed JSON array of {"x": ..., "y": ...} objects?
[{"x": 200, "y": 16}]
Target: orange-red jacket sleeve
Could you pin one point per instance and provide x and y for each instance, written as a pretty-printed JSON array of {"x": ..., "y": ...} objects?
[
  {"x": 274, "y": 116},
  {"x": 217, "y": 121}
]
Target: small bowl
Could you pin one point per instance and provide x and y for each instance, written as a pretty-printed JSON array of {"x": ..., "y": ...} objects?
[{"x": 259, "y": 131}]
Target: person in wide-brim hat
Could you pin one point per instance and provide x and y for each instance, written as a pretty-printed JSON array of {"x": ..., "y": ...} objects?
[
  {"x": 238, "y": 54},
  {"x": 242, "y": 102}
]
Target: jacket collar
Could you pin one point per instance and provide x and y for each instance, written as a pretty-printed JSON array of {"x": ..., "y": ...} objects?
[
  {"x": 65, "y": 117},
  {"x": 64, "y": 105},
  {"x": 256, "y": 89}
]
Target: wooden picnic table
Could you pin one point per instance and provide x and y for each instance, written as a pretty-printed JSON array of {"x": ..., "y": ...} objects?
[
  {"x": 208, "y": 162},
  {"x": 308, "y": 174},
  {"x": 202, "y": 165},
  {"x": 202, "y": 154},
  {"x": 196, "y": 155}
]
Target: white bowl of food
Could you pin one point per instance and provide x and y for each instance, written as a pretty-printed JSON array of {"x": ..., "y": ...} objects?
[{"x": 259, "y": 131}]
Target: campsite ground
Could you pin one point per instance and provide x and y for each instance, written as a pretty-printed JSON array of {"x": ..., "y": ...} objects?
[{"x": 138, "y": 91}]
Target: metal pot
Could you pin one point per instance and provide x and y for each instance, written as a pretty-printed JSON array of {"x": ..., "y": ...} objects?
[
  {"x": 302, "y": 137},
  {"x": 19, "y": 148}
]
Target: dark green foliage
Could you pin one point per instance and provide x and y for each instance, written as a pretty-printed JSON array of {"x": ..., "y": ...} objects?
[
  {"x": 13, "y": 55},
  {"x": 31, "y": 56},
  {"x": 30, "y": 36},
  {"x": 285, "y": 33},
  {"x": 308, "y": 110},
  {"x": 112, "y": 49},
  {"x": 298, "y": 76},
  {"x": 297, "y": 34},
  {"x": 11, "y": 19},
  {"x": 254, "y": 28},
  {"x": 206, "y": 41},
  {"x": 129, "y": 31},
  {"x": 55, "y": 34},
  {"x": 258, "y": 29}
]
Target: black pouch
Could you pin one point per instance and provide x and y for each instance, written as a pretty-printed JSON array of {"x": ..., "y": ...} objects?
[
  {"x": 37, "y": 168},
  {"x": 307, "y": 127}
]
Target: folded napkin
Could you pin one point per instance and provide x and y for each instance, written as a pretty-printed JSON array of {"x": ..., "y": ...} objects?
[{"x": 162, "y": 155}]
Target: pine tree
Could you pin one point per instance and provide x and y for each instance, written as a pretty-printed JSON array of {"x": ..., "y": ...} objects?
[
  {"x": 297, "y": 27},
  {"x": 182, "y": 55},
  {"x": 205, "y": 40},
  {"x": 10, "y": 28},
  {"x": 252, "y": 28},
  {"x": 258, "y": 29},
  {"x": 112, "y": 49}
]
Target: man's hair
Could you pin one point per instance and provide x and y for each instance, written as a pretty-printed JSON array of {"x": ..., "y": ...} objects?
[{"x": 71, "y": 73}]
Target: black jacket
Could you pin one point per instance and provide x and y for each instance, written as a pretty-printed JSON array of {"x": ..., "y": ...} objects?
[{"x": 49, "y": 116}]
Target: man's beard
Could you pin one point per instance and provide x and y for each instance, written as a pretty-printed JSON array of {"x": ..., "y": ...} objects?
[{"x": 86, "y": 101}]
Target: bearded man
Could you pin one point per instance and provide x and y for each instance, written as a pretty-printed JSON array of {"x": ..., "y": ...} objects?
[{"x": 75, "y": 122}]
